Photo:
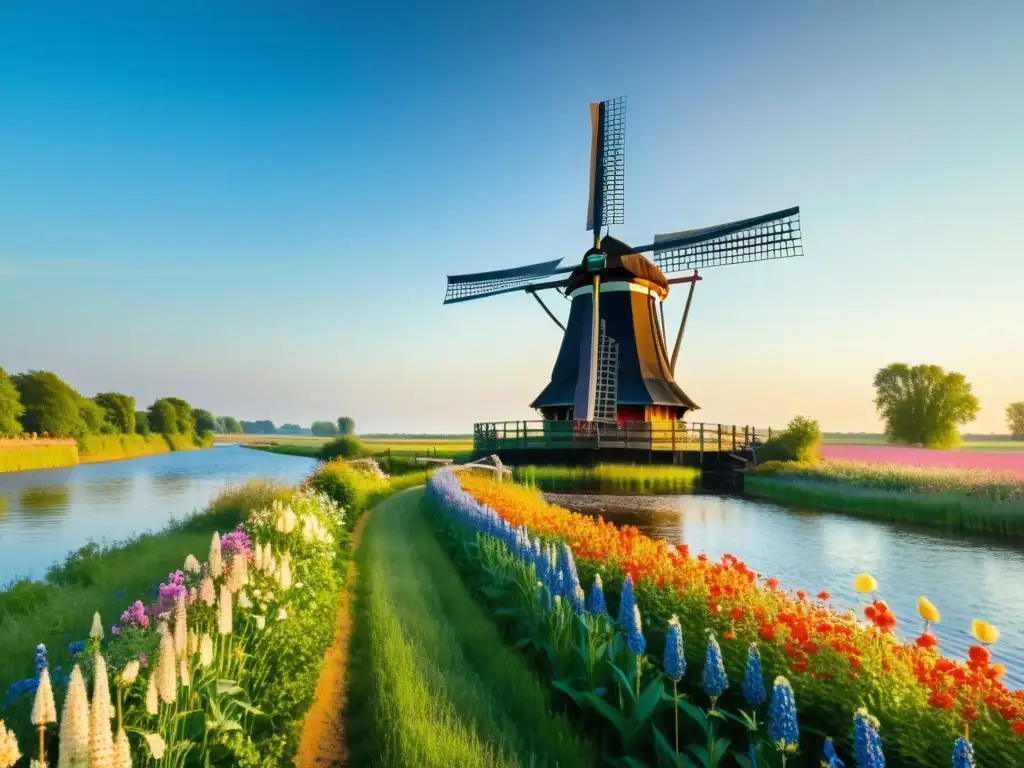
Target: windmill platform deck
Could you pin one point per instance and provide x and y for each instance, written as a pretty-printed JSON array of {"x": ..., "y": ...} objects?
[{"x": 709, "y": 447}]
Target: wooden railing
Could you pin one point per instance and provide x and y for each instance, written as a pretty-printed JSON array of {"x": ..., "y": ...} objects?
[{"x": 642, "y": 435}]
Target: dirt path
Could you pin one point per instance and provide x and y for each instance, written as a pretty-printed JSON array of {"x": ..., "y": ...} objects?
[{"x": 323, "y": 730}]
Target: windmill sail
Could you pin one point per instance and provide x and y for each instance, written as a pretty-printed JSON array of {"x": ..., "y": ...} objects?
[
  {"x": 771, "y": 236},
  {"x": 481, "y": 284},
  {"x": 606, "y": 204}
]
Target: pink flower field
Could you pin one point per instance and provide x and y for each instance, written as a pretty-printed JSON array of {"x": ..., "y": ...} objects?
[{"x": 923, "y": 457}]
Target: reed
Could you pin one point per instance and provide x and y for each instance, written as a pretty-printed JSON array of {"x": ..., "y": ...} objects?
[{"x": 610, "y": 478}]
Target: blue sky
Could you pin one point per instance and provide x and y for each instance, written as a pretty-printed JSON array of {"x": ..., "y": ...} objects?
[{"x": 254, "y": 205}]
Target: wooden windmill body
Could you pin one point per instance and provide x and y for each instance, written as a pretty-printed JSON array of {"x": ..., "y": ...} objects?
[{"x": 614, "y": 364}]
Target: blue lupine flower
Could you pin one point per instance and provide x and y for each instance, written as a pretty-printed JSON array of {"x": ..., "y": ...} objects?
[
  {"x": 832, "y": 759},
  {"x": 867, "y": 744},
  {"x": 752, "y": 756},
  {"x": 782, "y": 727},
  {"x": 19, "y": 689},
  {"x": 626, "y": 602},
  {"x": 674, "y": 662},
  {"x": 963, "y": 754},
  {"x": 76, "y": 647},
  {"x": 715, "y": 681},
  {"x": 753, "y": 680},
  {"x": 635, "y": 634},
  {"x": 576, "y": 599},
  {"x": 41, "y": 660},
  {"x": 596, "y": 603}
]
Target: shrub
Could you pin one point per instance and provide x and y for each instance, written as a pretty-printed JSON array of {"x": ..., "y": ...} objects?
[
  {"x": 22, "y": 597},
  {"x": 348, "y": 487},
  {"x": 345, "y": 447},
  {"x": 203, "y": 421},
  {"x": 799, "y": 442},
  {"x": 119, "y": 411},
  {"x": 141, "y": 423}
]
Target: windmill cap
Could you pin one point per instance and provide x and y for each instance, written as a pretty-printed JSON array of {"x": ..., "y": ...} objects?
[{"x": 622, "y": 265}]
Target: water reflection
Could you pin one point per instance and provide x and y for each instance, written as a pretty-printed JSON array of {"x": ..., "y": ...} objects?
[
  {"x": 966, "y": 577},
  {"x": 50, "y": 512}
]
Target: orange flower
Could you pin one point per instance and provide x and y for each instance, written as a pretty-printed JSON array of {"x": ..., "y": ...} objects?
[
  {"x": 799, "y": 666},
  {"x": 926, "y": 641},
  {"x": 823, "y": 595},
  {"x": 771, "y": 583},
  {"x": 767, "y": 633},
  {"x": 736, "y": 612},
  {"x": 728, "y": 635},
  {"x": 809, "y": 648},
  {"x": 1017, "y": 726},
  {"x": 801, "y": 595},
  {"x": 940, "y": 700}
]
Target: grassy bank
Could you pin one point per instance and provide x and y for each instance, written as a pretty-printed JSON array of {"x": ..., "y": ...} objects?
[
  {"x": 945, "y": 510},
  {"x": 610, "y": 478},
  {"x": 92, "y": 448},
  {"x": 432, "y": 683},
  {"x": 968, "y": 500},
  {"x": 23, "y": 455}
]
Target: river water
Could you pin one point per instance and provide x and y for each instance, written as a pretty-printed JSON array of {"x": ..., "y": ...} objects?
[
  {"x": 966, "y": 577},
  {"x": 45, "y": 514}
]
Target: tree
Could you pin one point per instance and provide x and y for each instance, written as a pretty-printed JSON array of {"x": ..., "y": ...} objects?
[
  {"x": 163, "y": 418},
  {"x": 119, "y": 411},
  {"x": 259, "y": 427},
  {"x": 289, "y": 429},
  {"x": 923, "y": 404},
  {"x": 142, "y": 423},
  {"x": 11, "y": 408},
  {"x": 203, "y": 421},
  {"x": 324, "y": 429},
  {"x": 52, "y": 407},
  {"x": 346, "y": 426},
  {"x": 184, "y": 425},
  {"x": 1014, "y": 418},
  {"x": 94, "y": 416},
  {"x": 231, "y": 425}
]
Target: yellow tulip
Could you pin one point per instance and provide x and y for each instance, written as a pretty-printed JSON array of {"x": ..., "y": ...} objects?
[
  {"x": 864, "y": 582},
  {"x": 984, "y": 632},
  {"x": 999, "y": 670},
  {"x": 928, "y": 611}
]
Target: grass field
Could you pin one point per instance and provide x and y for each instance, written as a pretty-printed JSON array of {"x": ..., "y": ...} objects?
[{"x": 432, "y": 683}]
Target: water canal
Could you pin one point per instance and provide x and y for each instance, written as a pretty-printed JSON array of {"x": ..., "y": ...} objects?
[
  {"x": 966, "y": 577},
  {"x": 45, "y": 514}
]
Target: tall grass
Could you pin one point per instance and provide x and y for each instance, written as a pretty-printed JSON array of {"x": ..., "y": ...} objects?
[
  {"x": 93, "y": 448},
  {"x": 23, "y": 455},
  {"x": 953, "y": 511},
  {"x": 59, "y": 610},
  {"x": 610, "y": 478},
  {"x": 432, "y": 683}
]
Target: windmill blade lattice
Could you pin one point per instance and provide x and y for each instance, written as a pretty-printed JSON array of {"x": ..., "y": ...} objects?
[
  {"x": 481, "y": 284},
  {"x": 761, "y": 238}
]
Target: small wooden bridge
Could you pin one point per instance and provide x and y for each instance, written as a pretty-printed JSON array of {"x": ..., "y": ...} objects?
[{"x": 714, "y": 448}]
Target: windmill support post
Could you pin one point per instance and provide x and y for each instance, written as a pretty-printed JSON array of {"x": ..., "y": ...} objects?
[
  {"x": 545, "y": 308},
  {"x": 686, "y": 313},
  {"x": 595, "y": 330}
]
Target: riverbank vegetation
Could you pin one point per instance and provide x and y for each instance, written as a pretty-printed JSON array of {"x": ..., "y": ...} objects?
[
  {"x": 42, "y": 409},
  {"x": 918, "y": 700},
  {"x": 969, "y": 500},
  {"x": 246, "y": 630},
  {"x": 610, "y": 478}
]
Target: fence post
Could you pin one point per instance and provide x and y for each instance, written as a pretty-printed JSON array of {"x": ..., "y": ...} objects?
[
  {"x": 719, "y": 438},
  {"x": 769, "y": 433},
  {"x": 702, "y": 445},
  {"x": 734, "y": 437}
]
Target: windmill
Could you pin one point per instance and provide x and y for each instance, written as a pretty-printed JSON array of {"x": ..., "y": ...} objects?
[{"x": 614, "y": 364}]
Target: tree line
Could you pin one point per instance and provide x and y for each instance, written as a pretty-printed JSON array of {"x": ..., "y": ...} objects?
[
  {"x": 42, "y": 403},
  {"x": 342, "y": 426}
]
